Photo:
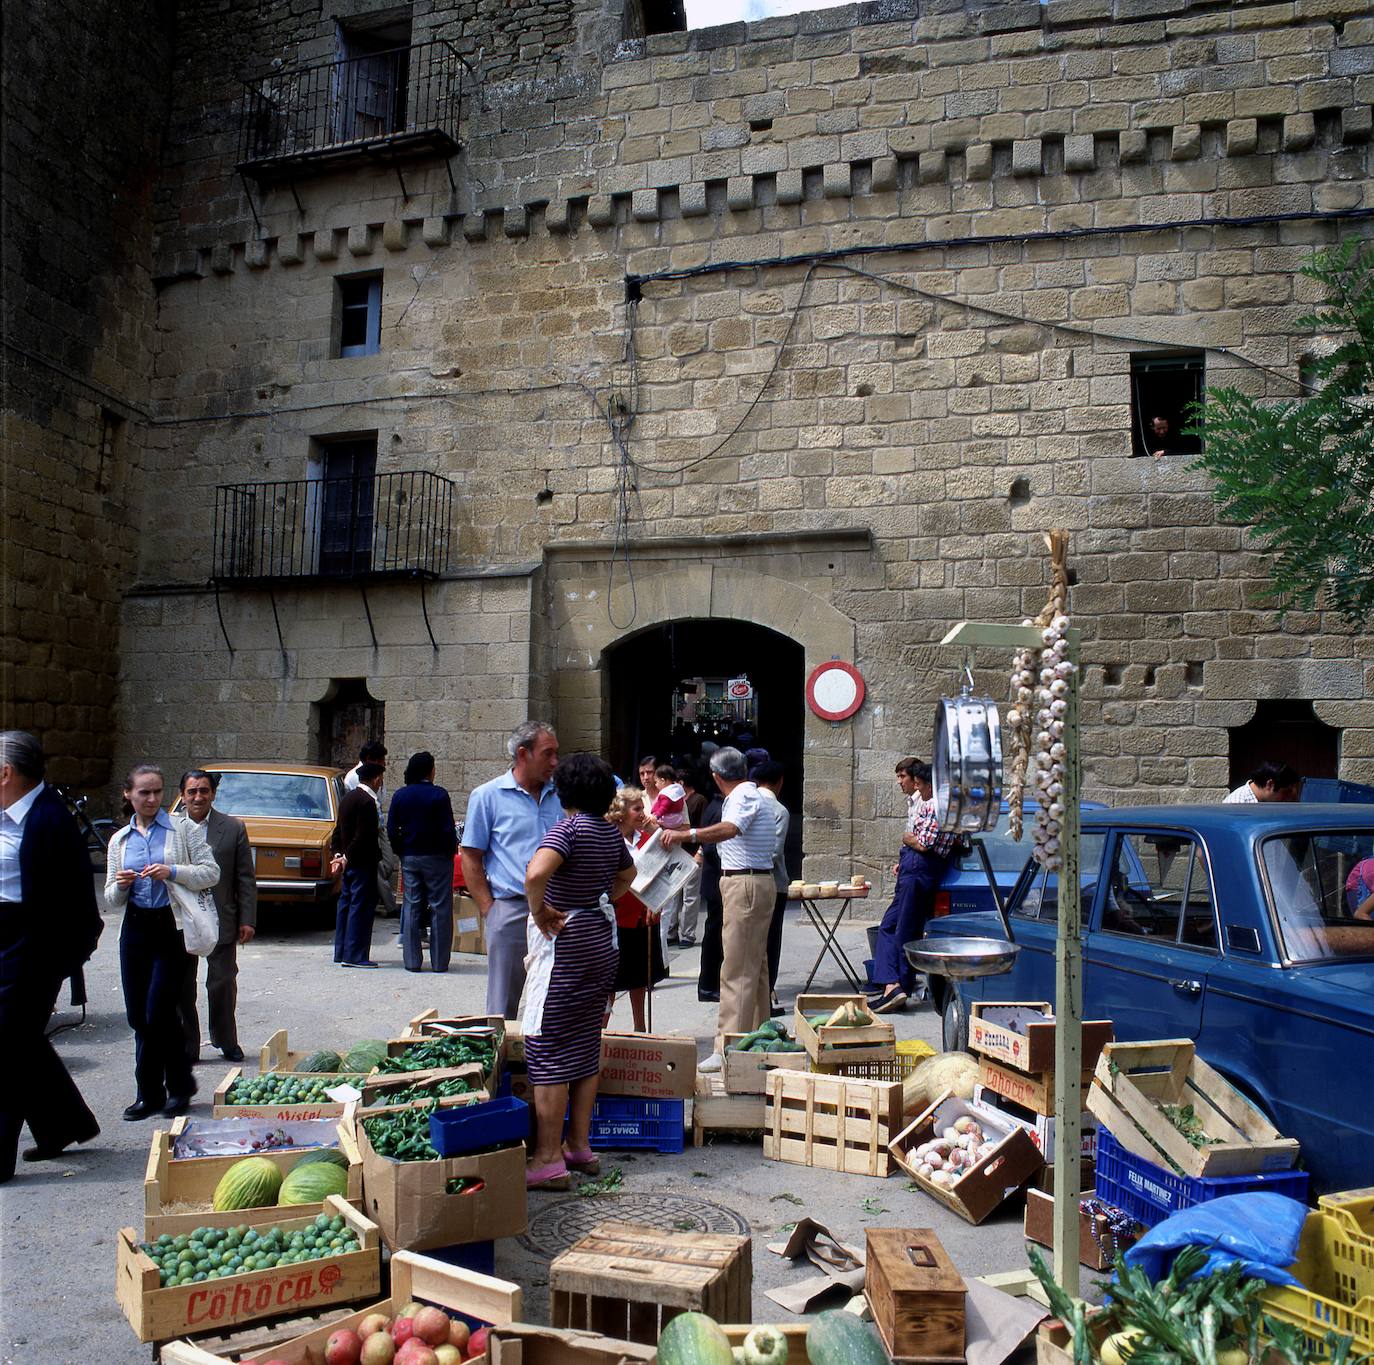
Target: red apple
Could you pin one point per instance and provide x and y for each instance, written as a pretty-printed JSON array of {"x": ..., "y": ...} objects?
[
  {"x": 431, "y": 1326},
  {"x": 477, "y": 1343},
  {"x": 344, "y": 1347},
  {"x": 379, "y": 1349},
  {"x": 458, "y": 1333},
  {"x": 371, "y": 1324},
  {"x": 402, "y": 1330},
  {"x": 415, "y": 1352}
]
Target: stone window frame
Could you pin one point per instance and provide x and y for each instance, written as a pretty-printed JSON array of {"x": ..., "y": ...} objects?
[
  {"x": 365, "y": 287},
  {"x": 1156, "y": 387}
]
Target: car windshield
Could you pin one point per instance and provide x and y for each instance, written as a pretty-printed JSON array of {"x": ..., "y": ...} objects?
[
  {"x": 1004, "y": 853},
  {"x": 1320, "y": 884},
  {"x": 293, "y": 796}
]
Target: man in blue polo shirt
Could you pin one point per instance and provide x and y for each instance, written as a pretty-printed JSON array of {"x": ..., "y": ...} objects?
[{"x": 506, "y": 819}]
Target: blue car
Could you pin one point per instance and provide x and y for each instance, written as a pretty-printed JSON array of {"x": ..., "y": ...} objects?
[{"x": 1245, "y": 928}]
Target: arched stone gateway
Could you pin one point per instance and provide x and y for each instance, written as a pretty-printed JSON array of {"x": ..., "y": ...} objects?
[{"x": 588, "y": 639}]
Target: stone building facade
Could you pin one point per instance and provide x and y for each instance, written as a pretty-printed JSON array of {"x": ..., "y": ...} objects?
[{"x": 803, "y": 329}]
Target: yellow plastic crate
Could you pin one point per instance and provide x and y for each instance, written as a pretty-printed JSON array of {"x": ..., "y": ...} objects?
[
  {"x": 910, "y": 1054},
  {"x": 1338, "y": 1274}
]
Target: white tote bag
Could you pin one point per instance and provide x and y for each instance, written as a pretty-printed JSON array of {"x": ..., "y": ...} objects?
[{"x": 195, "y": 914}]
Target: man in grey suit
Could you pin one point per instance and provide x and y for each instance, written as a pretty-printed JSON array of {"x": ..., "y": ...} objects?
[{"x": 236, "y": 899}]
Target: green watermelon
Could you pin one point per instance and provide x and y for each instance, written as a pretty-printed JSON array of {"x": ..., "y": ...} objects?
[
  {"x": 324, "y": 1060},
  {"x": 332, "y": 1155},
  {"x": 252, "y": 1183},
  {"x": 312, "y": 1183},
  {"x": 693, "y": 1339},
  {"x": 365, "y": 1056}
]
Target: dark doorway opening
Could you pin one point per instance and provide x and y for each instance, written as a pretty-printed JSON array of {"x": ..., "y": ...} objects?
[
  {"x": 346, "y": 718},
  {"x": 1287, "y": 732},
  {"x": 645, "y": 676}
]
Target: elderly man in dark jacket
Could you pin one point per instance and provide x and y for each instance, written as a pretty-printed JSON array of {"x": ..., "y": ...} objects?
[
  {"x": 49, "y": 925},
  {"x": 358, "y": 851}
]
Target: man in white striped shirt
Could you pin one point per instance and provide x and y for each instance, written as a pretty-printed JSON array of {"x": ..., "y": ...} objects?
[{"x": 745, "y": 832}]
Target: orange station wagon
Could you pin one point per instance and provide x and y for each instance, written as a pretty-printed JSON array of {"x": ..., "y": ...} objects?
[{"x": 289, "y": 810}]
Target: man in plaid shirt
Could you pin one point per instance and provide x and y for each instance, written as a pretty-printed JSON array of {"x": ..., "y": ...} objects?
[{"x": 920, "y": 869}]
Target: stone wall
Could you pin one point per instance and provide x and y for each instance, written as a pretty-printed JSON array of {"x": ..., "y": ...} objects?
[
  {"x": 78, "y": 335},
  {"x": 888, "y": 272}
]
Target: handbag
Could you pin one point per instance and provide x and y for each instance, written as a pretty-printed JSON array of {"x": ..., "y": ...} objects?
[{"x": 196, "y": 916}]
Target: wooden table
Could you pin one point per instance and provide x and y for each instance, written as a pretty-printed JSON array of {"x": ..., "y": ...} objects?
[{"x": 827, "y": 930}]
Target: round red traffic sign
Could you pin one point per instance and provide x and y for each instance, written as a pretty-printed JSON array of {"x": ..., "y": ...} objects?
[{"x": 835, "y": 690}]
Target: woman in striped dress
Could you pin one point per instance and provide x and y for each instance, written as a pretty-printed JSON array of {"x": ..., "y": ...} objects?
[{"x": 579, "y": 868}]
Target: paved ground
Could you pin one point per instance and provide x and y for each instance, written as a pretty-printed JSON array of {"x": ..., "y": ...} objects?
[{"x": 58, "y": 1221}]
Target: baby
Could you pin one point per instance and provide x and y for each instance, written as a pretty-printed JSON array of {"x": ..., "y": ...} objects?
[{"x": 670, "y": 806}]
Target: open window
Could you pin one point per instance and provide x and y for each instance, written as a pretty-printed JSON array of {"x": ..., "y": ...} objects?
[
  {"x": 343, "y": 478},
  {"x": 358, "y": 310},
  {"x": 1159, "y": 888},
  {"x": 372, "y": 75},
  {"x": 1163, "y": 388}
]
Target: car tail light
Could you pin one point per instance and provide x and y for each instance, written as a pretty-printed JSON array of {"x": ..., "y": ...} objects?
[
  {"x": 312, "y": 863},
  {"x": 942, "y": 903}
]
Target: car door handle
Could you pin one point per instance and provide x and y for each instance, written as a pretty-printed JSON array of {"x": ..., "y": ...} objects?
[{"x": 1186, "y": 986}]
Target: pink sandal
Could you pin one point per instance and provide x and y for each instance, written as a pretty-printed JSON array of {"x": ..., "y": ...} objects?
[
  {"x": 587, "y": 1162},
  {"x": 554, "y": 1176}
]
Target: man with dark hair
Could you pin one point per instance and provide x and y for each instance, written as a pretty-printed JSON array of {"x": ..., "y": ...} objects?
[
  {"x": 506, "y": 819},
  {"x": 920, "y": 869},
  {"x": 1271, "y": 781},
  {"x": 236, "y": 901},
  {"x": 648, "y": 769},
  {"x": 422, "y": 831},
  {"x": 49, "y": 926},
  {"x": 374, "y": 751},
  {"x": 357, "y": 855}
]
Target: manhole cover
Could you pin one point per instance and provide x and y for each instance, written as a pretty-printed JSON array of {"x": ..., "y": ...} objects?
[{"x": 555, "y": 1228}]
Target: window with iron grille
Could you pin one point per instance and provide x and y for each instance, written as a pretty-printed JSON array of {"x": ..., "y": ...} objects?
[
  {"x": 373, "y": 76},
  {"x": 359, "y": 315},
  {"x": 346, "y": 497}
]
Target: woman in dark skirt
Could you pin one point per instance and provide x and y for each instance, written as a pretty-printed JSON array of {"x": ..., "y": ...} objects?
[
  {"x": 638, "y": 929},
  {"x": 579, "y": 868}
]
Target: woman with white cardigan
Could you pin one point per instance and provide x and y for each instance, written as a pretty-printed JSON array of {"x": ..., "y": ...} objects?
[{"x": 155, "y": 848}]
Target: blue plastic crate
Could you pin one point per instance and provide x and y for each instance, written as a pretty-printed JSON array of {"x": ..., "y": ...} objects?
[
  {"x": 476, "y": 1256},
  {"x": 653, "y": 1125},
  {"x": 1150, "y": 1194},
  {"x": 465, "y": 1128}
]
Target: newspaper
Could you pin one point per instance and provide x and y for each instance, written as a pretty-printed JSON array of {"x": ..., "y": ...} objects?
[{"x": 660, "y": 873}]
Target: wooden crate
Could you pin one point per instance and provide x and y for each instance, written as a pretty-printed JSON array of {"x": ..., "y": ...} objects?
[
  {"x": 915, "y": 1295},
  {"x": 1039, "y": 1227},
  {"x": 833, "y": 1122},
  {"x": 872, "y": 1042},
  {"x": 477, "y": 1297},
  {"x": 378, "y": 1089},
  {"x": 715, "y": 1112},
  {"x": 746, "y": 1073},
  {"x": 430, "y": 1023},
  {"x": 397, "y": 1047},
  {"x": 628, "y": 1280},
  {"x": 1133, "y": 1079},
  {"x": 276, "y": 1054},
  {"x": 272, "y": 1113},
  {"x": 158, "y": 1314},
  {"x": 793, "y": 1332},
  {"x": 177, "y": 1194},
  {"x": 519, "y": 1343},
  {"x": 1035, "y": 1093},
  {"x": 1020, "y": 1034}
]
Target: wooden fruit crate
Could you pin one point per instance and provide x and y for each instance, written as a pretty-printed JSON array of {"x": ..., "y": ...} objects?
[
  {"x": 1133, "y": 1079},
  {"x": 715, "y": 1111},
  {"x": 832, "y": 1045},
  {"x": 430, "y": 1023},
  {"x": 177, "y": 1194},
  {"x": 834, "y": 1122},
  {"x": 474, "y": 1297},
  {"x": 272, "y": 1113},
  {"x": 397, "y": 1047},
  {"x": 1097, "y": 1244},
  {"x": 520, "y": 1343},
  {"x": 746, "y": 1073},
  {"x": 277, "y": 1055},
  {"x": 1035, "y": 1093},
  {"x": 158, "y": 1314},
  {"x": 628, "y": 1280},
  {"x": 915, "y": 1295},
  {"x": 1020, "y": 1034},
  {"x": 377, "y": 1089}
]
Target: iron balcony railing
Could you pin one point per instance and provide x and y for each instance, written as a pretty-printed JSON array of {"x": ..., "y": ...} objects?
[
  {"x": 364, "y": 526},
  {"x": 404, "y": 99}
]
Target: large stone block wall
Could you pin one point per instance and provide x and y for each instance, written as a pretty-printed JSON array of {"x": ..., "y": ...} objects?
[
  {"x": 1035, "y": 193},
  {"x": 84, "y": 92}
]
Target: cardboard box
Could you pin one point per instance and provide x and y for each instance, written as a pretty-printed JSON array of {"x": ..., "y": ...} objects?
[
  {"x": 1020, "y": 1034},
  {"x": 1040, "y": 1126},
  {"x": 157, "y": 1314},
  {"x": 429, "y": 1023},
  {"x": 1095, "y": 1251},
  {"x": 986, "y": 1185},
  {"x": 478, "y": 1298},
  {"x": 746, "y": 1073},
  {"x": 408, "y": 1201},
  {"x": 188, "y": 1185},
  {"x": 469, "y": 926},
  {"x": 648, "y": 1066},
  {"x": 915, "y": 1295}
]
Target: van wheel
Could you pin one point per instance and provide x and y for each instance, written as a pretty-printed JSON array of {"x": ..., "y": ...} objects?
[{"x": 954, "y": 1024}]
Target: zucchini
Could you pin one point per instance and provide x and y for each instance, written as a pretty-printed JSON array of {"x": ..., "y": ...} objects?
[
  {"x": 839, "y": 1338},
  {"x": 694, "y": 1339}
]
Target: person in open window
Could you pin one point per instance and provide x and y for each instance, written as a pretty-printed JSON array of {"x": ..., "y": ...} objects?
[{"x": 1163, "y": 439}]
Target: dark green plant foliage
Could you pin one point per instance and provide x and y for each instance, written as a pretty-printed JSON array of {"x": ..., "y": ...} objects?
[{"x": 1300, "y": 473}]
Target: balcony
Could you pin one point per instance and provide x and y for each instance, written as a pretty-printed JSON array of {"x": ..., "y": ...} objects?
[
  {"x": 390, "y": 105},
  {"x": 365, "y": 527}
]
